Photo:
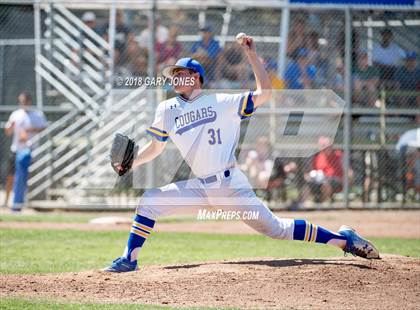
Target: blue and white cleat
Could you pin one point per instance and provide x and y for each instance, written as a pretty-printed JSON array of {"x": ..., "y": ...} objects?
[
  {"x": 357, "y": 245},
  {"x": 121, "y": 264}
]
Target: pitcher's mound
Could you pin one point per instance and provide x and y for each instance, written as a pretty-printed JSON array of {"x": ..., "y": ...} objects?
[{"x": 336, "y": 283}]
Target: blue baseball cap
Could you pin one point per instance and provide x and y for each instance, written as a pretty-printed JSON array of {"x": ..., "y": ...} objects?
[
  {"x": 271, "y": 64},
  {"x": 302, "y": 52},
  {"x": 206, "y": 28},
  {"x": 410, "y": 55},
  {"x": 184, "y": 63}
]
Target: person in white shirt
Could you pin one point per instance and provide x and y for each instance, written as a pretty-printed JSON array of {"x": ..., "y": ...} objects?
[
  {"x": 162, "y": 34},
  {"x": 408, "y": 147},
  {"x": 387, "y": 52},
  {"x": 23, "y": 124},
  {"x": 387, "y": 55}
]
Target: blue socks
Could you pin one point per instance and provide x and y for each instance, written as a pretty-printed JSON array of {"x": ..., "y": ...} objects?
[
  {"x": 303, "y": 230},
  {"x": 140, "y": 230},
  {"x": 307, "y": 231}
]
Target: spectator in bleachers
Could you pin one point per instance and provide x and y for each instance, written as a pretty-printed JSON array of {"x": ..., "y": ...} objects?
[
  {"x": 387, "y": 55},
  {"x": 89, "y": 18},
  {"x": 312, "y": 44},
  {"x": 276, "y": 81},
  {"x": 355, "y": 46},
  {"x": 135, "y": 59},
  {"x": 119, "y": 69},
  {"x": 162, "y": 34},
  {"x": 408, "y": 147},
  {"x": 23, "y": 124},
  {"x": 366, "y": 82},
  {"x": 234, "y": 68},
  {"x": 323, "y": 69},
  {"x": 326, "y": 176},
  {"x": 300, "y": 73},
  {"x": 131, "y": 56},
  {"x": 207, "y": 51},
  {"x": 407, "y": 78},
  {"x": 138, "y": 64},
  {"x": 297, "y": 37},
  {"x": 123, "y": 35},
  {"x": 259, "y": 166},
  {"x": 320, "y": 59},
  {"x": 276, "y": 183},
  {"x": 170, "y": 50},
  {"x": 337, "y": 80}
]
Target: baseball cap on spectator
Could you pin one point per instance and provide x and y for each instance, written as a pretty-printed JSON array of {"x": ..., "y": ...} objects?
[
  {"x": 88, "y": 17},
  {"x": 302, "y": 52},
  {"x": 386, "y": 31},
  {"x": 206, "y": 28},
  {"x": 184, "y": 63},
  {"x": 410, "y": 55},
  {"x": 271, "y": 64}
]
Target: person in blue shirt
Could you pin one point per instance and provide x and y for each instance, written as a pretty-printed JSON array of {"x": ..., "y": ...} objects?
[
  {"x": 207, "y": 51},
  {"x": 407, "y": 78},
  {"x": 300, "y": 73}
]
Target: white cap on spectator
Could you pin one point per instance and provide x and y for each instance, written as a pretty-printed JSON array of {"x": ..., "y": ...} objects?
[{"x": 88, "y": 17}]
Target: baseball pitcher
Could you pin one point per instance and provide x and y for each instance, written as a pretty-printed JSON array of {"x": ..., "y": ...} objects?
[{"x": 205, "y": 128}]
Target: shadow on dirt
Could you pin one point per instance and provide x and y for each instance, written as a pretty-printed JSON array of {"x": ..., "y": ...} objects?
[{"x": 281, "y": 263}]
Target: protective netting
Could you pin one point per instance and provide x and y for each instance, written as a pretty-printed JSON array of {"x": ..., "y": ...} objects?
[{"x": 384, "y": 84}]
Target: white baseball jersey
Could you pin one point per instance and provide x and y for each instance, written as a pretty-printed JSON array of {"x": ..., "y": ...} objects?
[
  {"x": 205, "y": 129},
  {"x": 206, "y": 132}
]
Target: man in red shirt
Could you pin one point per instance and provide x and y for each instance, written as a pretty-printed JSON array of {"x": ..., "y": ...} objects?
[
  {"x": 329, "y": 163},
  {"x": 326, "y": 175}
]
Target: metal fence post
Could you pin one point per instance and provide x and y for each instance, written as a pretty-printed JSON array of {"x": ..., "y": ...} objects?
[
  {"x": 151, "y": 64},
  {"x": 151, "y": 71},
  {"x": 37, "y": 37},
  {"x": 284, "y": 32},
  {"x": 111, "y": 42},
  {"x": 111, "y": 38},
  {"x": 347, "y": 99},
  {"x": 51, "y": 37},
  {"x": 51, "y": 161}
]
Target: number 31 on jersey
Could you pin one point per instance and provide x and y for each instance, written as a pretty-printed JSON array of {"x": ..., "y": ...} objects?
[{"x": 214, "y": 136}]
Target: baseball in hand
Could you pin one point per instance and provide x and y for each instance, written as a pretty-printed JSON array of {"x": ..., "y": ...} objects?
[{"x": 240, "y": 37}]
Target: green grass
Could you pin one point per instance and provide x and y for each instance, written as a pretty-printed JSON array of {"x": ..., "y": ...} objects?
[
  {"x": 24, "y": 304},
  {"x": 40, "y": 251},
  {"x": 49, "y": 217}
]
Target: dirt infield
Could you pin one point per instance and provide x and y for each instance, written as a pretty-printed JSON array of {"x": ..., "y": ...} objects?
[
  {"x": 339, "y": 283},
  {"x": 334, "y": 283},
  {"x": 368, "y": 223}
]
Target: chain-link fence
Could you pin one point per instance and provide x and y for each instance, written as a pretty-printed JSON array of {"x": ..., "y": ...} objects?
[{"x": 367, "y": 57}]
